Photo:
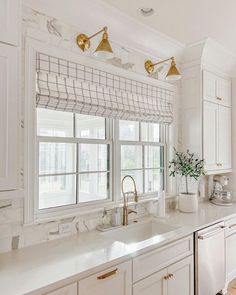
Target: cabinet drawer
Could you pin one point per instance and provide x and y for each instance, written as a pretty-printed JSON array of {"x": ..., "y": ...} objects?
[
  {"x": 146, "y": 264},
  {"x": 116, "y": 280},
  {"x": 67, "y": 290}
]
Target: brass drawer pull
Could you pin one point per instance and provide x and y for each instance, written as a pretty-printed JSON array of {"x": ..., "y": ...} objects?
[
  {"x": 166, "y": 277},
  {"x": 219, "y": 98},
  {"x": 232, "y": 226},
  {"x": 171, "y": 275},
  {"x": 108, "y": 274}
]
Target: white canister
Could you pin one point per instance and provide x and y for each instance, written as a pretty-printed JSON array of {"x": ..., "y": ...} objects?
[{"x": 188, "y": 202}]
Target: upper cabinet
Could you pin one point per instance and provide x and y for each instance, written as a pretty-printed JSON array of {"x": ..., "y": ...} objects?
[
  {"x": 216, "y": 89},
  {"x": 9, "y": 21},
  {"x": 8, "y": 118}
]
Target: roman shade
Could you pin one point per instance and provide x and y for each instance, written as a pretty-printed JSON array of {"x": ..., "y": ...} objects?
[{"x": 68, "y": 86}]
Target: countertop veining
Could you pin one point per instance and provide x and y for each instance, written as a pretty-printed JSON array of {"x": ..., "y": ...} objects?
[{"x": 69, "y": 259}]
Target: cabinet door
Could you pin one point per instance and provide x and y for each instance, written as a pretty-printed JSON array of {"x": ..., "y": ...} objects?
[
  {"x": 209, "y": 86},
  {"x": 223, "y": 91},
  {"x": 116, "y": 281},
  {"x": 230, "y": 257},
  {"x": 67, "y": 290},
  {"x": 155, "y": 284},
  {"x": 9, "y": 21},
  {"x": 210, "y": 135},
  {"x": 8, "y": 118},
  {"x": 181, "y": 277},
  {"x": 224, "y": 138}
]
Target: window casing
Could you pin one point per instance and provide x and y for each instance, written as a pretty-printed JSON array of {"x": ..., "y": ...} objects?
[{"x": 82, "y": 165}]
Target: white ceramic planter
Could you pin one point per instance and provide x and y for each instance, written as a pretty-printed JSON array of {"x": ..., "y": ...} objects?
[{"x": 188, "y": 202}]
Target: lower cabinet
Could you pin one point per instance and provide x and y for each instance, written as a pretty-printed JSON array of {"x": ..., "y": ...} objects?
[
  {"x": 175, "y": 279},
  {"x": 67, "y": 290},
  {"x": 230, "y": 248},
  {"x": 116, "y": 281}
]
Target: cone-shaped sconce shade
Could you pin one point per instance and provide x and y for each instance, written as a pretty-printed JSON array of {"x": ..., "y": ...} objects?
[
  {"x": 104, "y": 48},
  {"x": 173, "y": 73}
]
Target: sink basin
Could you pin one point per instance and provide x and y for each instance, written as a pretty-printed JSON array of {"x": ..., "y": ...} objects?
[{"x": 141, "y": 231}]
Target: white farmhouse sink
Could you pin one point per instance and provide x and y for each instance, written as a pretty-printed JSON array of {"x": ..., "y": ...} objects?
[{"x": 141, "y": 231}]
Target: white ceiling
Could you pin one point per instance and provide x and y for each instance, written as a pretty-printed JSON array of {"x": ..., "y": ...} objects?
[{"x": 187, "y": 21}]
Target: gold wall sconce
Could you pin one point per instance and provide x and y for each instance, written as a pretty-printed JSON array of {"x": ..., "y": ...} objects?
[
  {"x": 104, "y": 48},
  {"x": 173, "y": 73}
]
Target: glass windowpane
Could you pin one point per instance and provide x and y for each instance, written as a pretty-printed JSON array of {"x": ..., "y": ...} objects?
[
  {"x": 131, "y": 156},
  {"x": 129, "y": 130},
  {"x": 54, "y": 123},
  {"x": 150, "y": 132},
  {"x": 153, "y": 156},
  {"x": 90, "y": 127},
  {"x": 93, "y": 157},
  {"x": 55, "y": 191},
  {"x": 57, "y": 158},
  {"x": 93, "y": 187},
  {"x": 153, "y": 180}
]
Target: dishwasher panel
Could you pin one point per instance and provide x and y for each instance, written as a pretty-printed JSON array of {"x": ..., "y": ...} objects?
[{"x": 210, "y": 260}]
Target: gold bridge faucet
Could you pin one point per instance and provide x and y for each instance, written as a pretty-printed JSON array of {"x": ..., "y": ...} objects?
[{"x": 127, "y": 211}]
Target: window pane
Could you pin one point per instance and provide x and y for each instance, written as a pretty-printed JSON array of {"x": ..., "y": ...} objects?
[
  {"x": 90, "y": 127},
  {"x": 129, "y": 130},
  {"x": 93, "y": 187},
  {"x": 57, "y": 158},
  {"x": 131, "y": 156},
  {"x": 153, "y": 156},
  {"x": 57, "y": 191},
  {"x": 128, "y": 184},
  {"x": 150, "y": 132},
  {"x": 153, "y": 180},
  {"x": 54, "y": 123},
  {"x": 93, "y": 157}
]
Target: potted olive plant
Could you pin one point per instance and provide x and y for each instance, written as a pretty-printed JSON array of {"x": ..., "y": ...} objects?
[{"x": 188, "y": 166}]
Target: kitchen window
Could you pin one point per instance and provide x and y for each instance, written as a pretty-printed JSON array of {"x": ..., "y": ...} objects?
[
  {"x": 76, "y": 165},
  {"x": 74, "y": 159},
  {"x": 142, "y": 156}
]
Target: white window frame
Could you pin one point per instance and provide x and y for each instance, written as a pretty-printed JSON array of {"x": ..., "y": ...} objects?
[{"x": 32, "y": 216}]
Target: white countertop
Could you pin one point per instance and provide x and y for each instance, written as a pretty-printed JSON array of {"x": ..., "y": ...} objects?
[{"x": 29, "y": 269}]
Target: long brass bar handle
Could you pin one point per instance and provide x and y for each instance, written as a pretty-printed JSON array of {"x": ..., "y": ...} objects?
[{"x": 108, "y": 274}]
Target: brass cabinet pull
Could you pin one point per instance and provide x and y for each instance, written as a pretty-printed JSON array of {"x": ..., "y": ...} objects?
[
  {"x": 108, "y": 274},
  {"x": 171, "y": 275},
  {"x": 232, "y": 226},
  {"x": 219, "y": 98},
  {"x": 166, "y": 277}
]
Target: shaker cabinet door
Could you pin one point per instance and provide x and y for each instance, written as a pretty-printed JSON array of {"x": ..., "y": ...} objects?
[
  {"x": 8, "y": 118},
  {"x": 210, "y": 135},
  {"x": 224, "y": 138},
  {"x": 9, "y": 21}
]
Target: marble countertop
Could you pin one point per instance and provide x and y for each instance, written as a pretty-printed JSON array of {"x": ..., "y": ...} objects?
[{"x": 70, "y": 259}]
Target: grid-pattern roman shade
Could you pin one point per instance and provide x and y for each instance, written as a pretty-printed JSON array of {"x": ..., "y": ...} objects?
[{"x": 72, "y": 87}]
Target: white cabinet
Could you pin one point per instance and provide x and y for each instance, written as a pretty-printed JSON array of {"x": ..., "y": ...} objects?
[
  {"x": 181, "y": 279},
  {"x": 216, "y": 89},
  {"x": 216, "y": 136},
  {"x": 9, "y": 21},
  {"x": 8, "y": 118},
  {"x": 176, "y": 279},
  {"x": 116, "y": 281},
  {"x": 230, "y": 246},
  {"x": 224, "y": 137},
  {"x": 67, "y": 290},
  {"x": 210, "y": 137}
]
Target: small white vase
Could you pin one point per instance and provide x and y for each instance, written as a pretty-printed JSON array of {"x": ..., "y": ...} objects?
[{"x": 188, "y": 202}]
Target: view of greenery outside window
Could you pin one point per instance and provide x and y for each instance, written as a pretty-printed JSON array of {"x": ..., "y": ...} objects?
[
  {"x": 142, "y": 156},
  {"x": 75, "y": 161}
]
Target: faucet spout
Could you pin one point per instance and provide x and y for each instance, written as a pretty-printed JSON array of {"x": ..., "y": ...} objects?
[{"x": 125, "y": 197}]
